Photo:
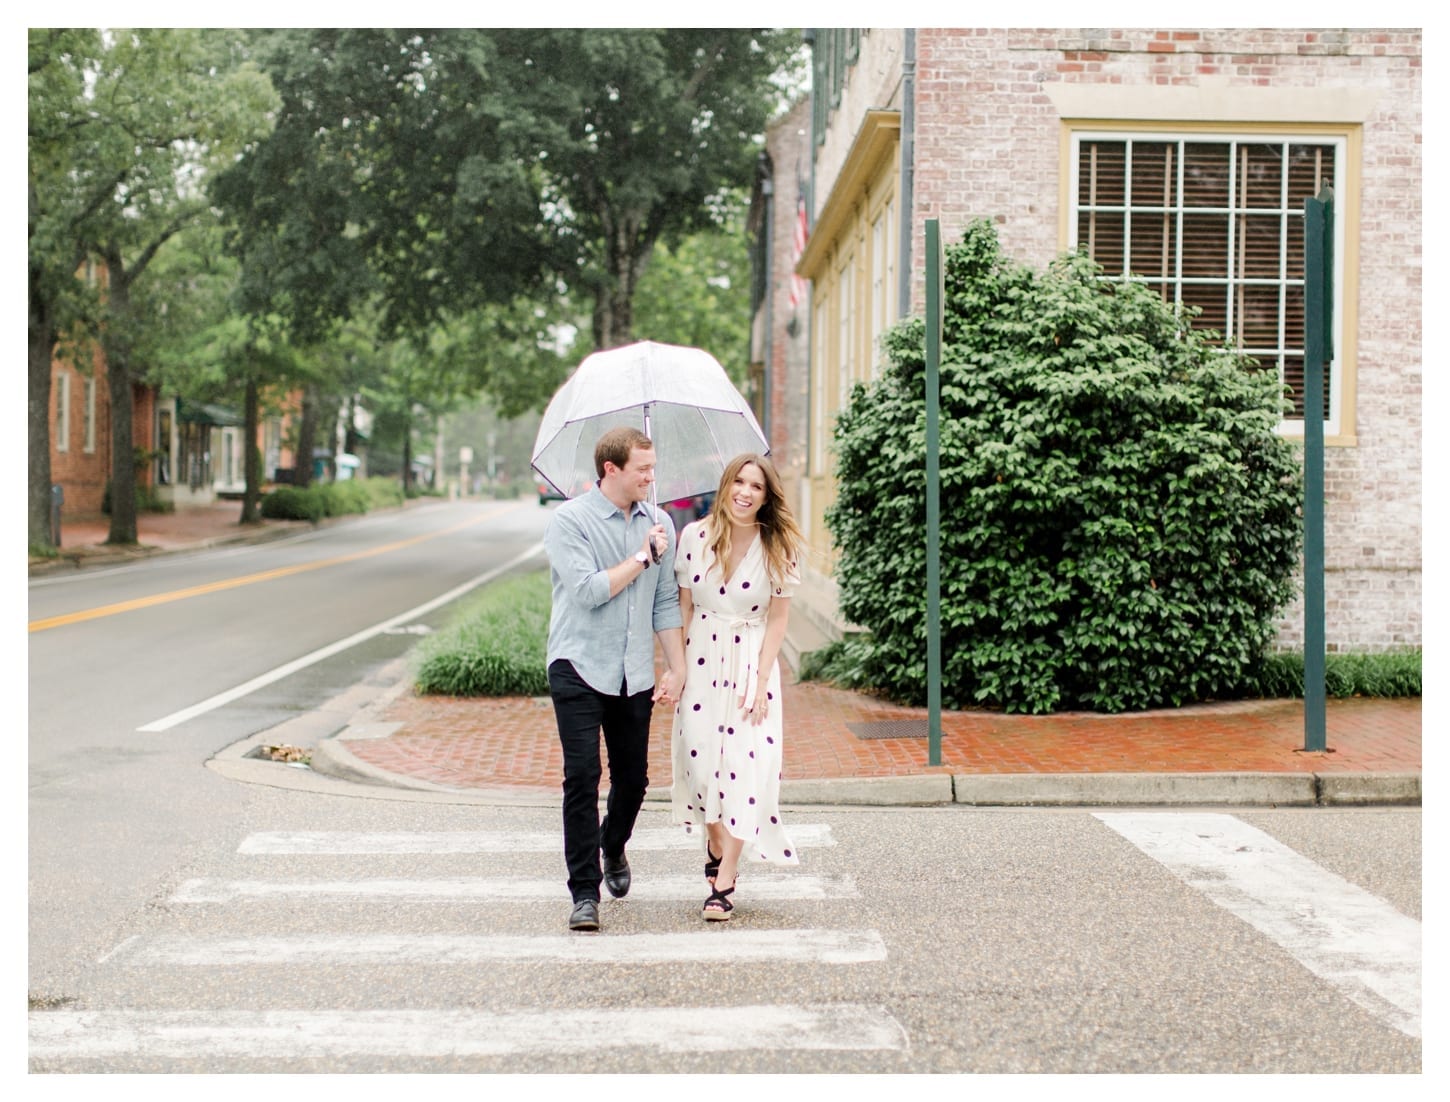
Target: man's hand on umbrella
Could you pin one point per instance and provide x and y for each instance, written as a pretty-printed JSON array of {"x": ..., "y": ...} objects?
[{"x": 657, "y": 542}]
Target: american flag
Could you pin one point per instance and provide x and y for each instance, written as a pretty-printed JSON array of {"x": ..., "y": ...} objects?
[{"x": 797, "y": 247}]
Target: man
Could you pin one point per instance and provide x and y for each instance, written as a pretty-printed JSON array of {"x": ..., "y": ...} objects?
[{"x": 611, "y": 563}]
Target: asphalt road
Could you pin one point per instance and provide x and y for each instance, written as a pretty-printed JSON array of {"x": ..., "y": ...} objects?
[{"x": 193, "y": 911}]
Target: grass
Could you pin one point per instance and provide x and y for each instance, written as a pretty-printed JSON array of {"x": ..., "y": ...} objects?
[
  {"x": 496, "y": 644},
  {"x": 1278, "y": 676}
]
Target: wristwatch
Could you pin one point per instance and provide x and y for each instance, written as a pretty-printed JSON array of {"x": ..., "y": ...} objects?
[{"x": 641, "y": 558}]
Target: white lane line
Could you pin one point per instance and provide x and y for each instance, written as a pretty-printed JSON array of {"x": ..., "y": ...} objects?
[
  {"x": 1337, "y": 930},
  {"x": 167, "y": 722},
  {"x": 703, "y": 946},
  {"x": 294, "y": 1034},
  {"x": 334, "y": 842},
  {"x": 775, "y": 886}
]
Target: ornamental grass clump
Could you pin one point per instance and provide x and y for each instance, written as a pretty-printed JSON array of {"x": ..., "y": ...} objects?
[
  {"x": 1119, "y": 518},
  {"x": 495, "y": 647}
]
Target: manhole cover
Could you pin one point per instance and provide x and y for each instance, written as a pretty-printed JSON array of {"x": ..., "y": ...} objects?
[{"x": 890, "y": 728}]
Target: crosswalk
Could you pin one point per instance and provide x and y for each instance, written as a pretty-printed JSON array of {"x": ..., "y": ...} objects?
[
  {"x": 158, "y": 1036},
  {"x": 219, "y": 926}
]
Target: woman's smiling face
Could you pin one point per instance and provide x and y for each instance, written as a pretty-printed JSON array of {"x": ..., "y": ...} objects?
[{"x": 747, "y": 494}]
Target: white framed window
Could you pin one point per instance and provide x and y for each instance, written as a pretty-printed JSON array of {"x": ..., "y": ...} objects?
[
  {"x": 90, "y": 416},
  {"x": 1216, "y": 221},
  {"x": 62, "y": 411}
]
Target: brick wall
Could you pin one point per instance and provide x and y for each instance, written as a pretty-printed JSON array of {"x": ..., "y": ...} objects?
[{"x": 988, "y": 145}]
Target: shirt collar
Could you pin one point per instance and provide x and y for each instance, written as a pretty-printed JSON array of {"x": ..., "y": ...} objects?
[{"x": 606, "y": 508}]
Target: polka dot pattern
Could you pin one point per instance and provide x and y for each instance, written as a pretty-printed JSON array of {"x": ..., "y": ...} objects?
[{"x": 727, "y": 769}]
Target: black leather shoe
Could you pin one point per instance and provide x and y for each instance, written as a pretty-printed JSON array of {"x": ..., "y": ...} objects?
[
  {"x": 585, "y": 915},
  {"x": 616, "y": 875}
]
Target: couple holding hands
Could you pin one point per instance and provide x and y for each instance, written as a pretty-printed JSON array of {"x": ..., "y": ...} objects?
[{"x": 717, "y": 600}]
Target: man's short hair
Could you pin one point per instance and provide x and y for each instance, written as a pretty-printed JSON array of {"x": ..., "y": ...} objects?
[{"x": 616, "y": 444}]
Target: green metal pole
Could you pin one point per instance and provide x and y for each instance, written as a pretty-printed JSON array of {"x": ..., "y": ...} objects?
[
  {"x": 1318, "y": 350},
  {"x": 935, "y": 292}
]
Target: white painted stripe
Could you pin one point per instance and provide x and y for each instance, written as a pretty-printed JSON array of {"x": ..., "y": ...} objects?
[
  {"x": 1337, "y": 930},
  {"x": 703, "y": 946},
  {"x": 774, "y": 886},
  {"x": 239, "y": 691},
  {"x": 330, "y": 842},
  {"x": 290, "y": 1034}
]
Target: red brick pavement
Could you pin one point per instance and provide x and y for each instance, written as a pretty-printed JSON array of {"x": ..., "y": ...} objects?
[
  {"x": 483, "y": 743},
  {"x": 480, "y": 743}
]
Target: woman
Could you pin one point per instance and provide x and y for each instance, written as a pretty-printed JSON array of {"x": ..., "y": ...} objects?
[{"x": 737, "y": 569}]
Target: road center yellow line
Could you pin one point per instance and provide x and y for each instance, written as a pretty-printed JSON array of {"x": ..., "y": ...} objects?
[{"x": 246, "y": 579}]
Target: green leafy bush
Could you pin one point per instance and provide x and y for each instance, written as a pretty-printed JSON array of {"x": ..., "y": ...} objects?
[
  {"x": 495, "y": 647},
  {"x": 293, "y": 503},
  {"x": 1120, "y": 519},
  {"x": 382, "y": 492},
  {"x": 342, "y": 498}
]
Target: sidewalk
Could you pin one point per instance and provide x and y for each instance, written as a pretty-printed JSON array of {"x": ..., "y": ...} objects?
[{"x": 849, "y": 748}]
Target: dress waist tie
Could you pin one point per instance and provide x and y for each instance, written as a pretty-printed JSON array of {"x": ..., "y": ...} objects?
[{"x": 743, "y": 674}]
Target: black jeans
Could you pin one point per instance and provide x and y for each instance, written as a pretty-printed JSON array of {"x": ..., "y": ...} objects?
[{"x": 581, "y": 712}]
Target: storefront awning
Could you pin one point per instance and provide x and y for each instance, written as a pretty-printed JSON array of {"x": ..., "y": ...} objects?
[{"x": 206, "y": 413}]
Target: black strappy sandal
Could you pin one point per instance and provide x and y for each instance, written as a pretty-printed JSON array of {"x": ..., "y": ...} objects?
[
  {"x": 712, "y": 864},
  {"x": 717, "y": 908}
]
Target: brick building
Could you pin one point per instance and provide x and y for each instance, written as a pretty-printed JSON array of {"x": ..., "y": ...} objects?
[{"x": 1182, "y": 156}]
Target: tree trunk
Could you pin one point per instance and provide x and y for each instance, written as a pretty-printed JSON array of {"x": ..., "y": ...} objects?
[
  {"x": 251, "y": 456},
  {"x": 627, "y": 248},
  {"x": 306, "y": 438},
  {"x": 41, "y": 338},
  {"x": 117, "y": 344},
  {"x": 407, "y": 455}
]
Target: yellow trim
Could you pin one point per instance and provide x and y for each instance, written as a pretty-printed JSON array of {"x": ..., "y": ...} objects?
[
  {"x": 878, "y": 138},
  {"x": 1347, "y": 208}
]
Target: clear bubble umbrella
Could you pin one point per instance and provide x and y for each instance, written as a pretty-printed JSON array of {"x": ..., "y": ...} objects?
[{"x": 679, "y": 397}]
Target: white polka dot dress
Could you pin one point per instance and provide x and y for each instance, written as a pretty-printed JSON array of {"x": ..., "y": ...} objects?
[{"x": 727, "y": 769}]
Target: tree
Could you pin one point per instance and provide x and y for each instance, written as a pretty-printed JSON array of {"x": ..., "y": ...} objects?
[
  {"x": 697, "y": 292},
  {"x": 60, "y": 202},
  {"x": 437, "y": 172},
  {"x": 1119, "y": 521},
  {"x": 640, "y": 132},
  {"x": 130, "y": 125},
  {"x": 178, "y": 105}
]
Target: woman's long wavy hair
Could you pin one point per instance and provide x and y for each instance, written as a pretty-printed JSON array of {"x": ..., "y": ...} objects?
[{"x": 780, "y": 535}]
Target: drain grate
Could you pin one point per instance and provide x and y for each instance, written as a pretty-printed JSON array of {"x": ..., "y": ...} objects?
[{"x": 890, "y": 728}]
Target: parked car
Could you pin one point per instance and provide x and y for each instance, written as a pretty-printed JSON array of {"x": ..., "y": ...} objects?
[{"x": 547, "y": 494}]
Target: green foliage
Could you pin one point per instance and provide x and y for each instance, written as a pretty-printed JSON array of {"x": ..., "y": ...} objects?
[
  {"x": 382, "y": 492},
  {"x": 1391, "y": 674},
  {"x": 331, "y": 499},
  {"x": 1119, "y": 517},
  {"x": 697, "y": 292},
  {"x": 342, "y": 498},
  {"x": 496, "y": 646},
  {"x": 294, "y": 503},
  {"x": 1276, "y": 675}
]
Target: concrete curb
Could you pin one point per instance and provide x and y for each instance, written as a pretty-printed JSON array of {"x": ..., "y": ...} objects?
[
  {"x": 910, "y": 791},
  {"x": 1122, "y": 789},
  {"x": 1357, "y": 789},
  {"x": 1186, "y": 789}
]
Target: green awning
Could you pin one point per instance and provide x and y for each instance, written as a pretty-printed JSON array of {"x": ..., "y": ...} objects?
[{"x": 206, "y": 413}]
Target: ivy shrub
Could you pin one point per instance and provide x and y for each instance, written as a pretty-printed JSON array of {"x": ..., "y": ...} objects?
[{"x": 1119, "y": 519}]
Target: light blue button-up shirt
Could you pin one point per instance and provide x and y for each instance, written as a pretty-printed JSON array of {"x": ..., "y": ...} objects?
[{"x": 610, "y": 642}]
